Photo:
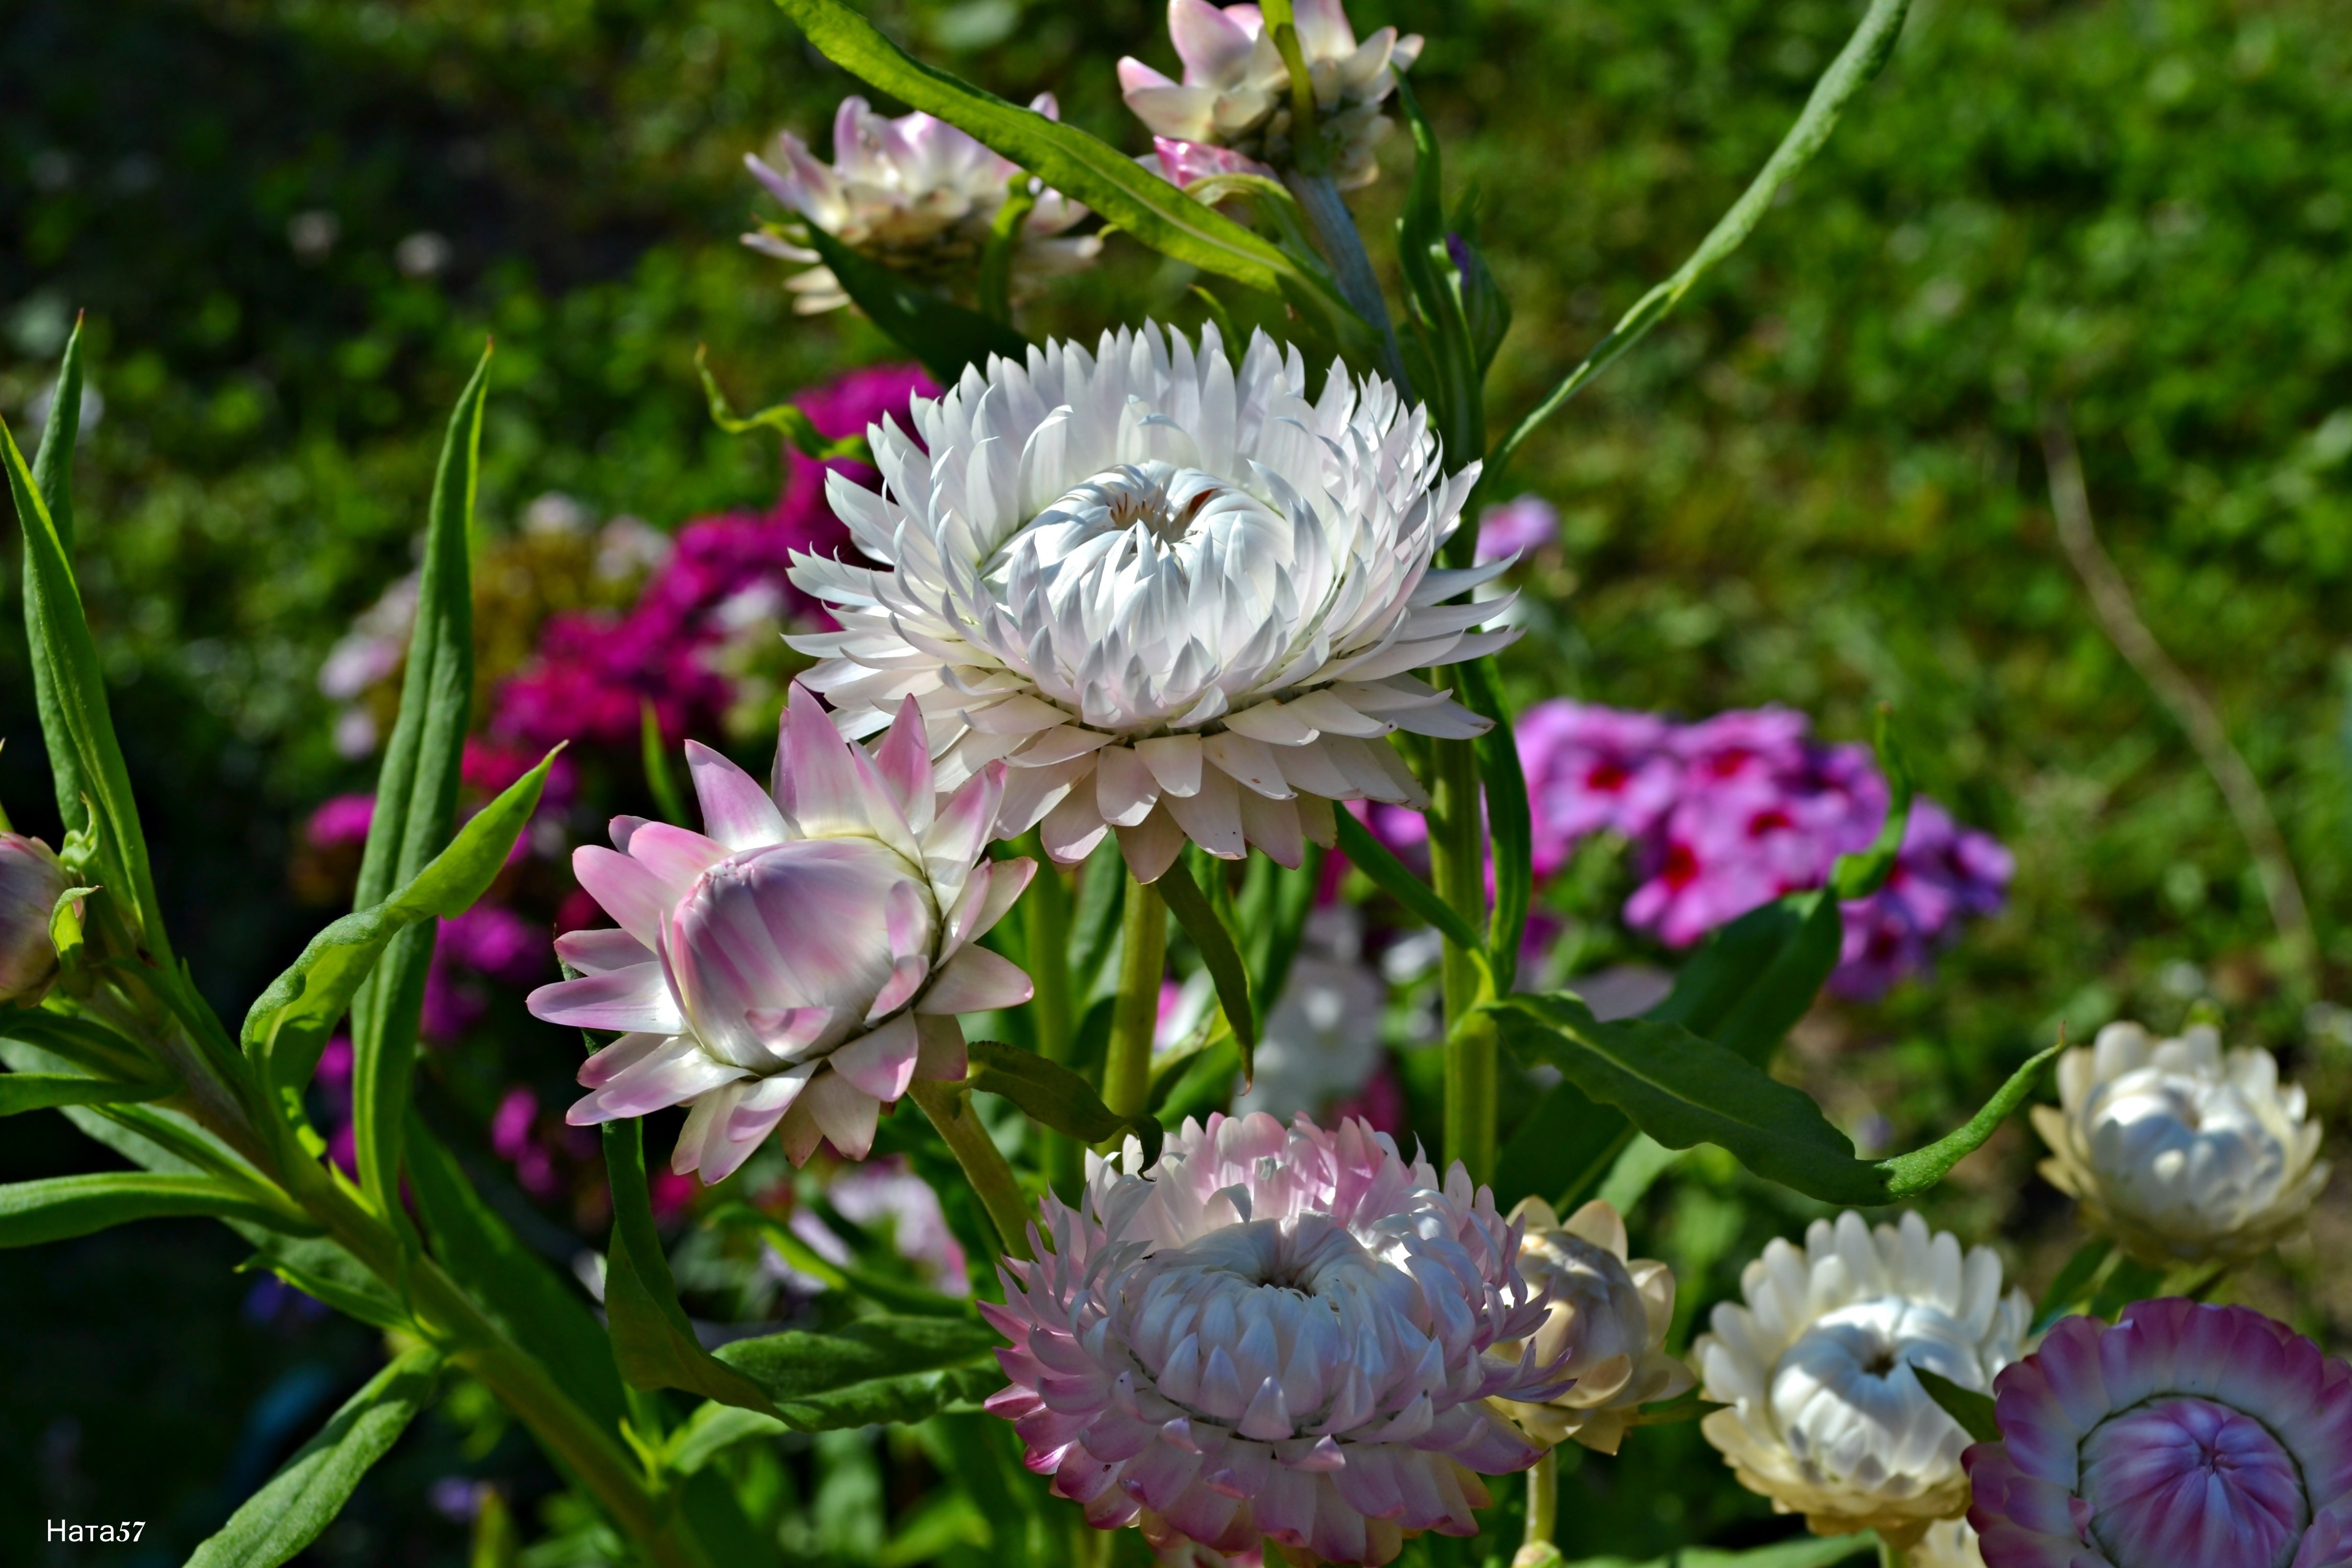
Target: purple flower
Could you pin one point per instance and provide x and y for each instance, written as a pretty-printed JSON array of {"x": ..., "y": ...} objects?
[
  {"x": 2184, "y": 1435},
  {"x": 1592, "y": 769},
  {"x": 493, "y": 940},
  {"x": 340, "y": 821},
  {"x": 1516, "y": 527}
]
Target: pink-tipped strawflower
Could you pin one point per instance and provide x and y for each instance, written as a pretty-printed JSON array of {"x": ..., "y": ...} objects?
[
  {"x": 2184, "y": 1436},
  {"x": 802, "y": 960},
  {"x": 1276, "y": 1331}
]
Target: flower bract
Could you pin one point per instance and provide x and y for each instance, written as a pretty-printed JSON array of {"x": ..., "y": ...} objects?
[
  {"x": 802, "y": 960},
  {"x": 31, "y": 882},
  {"x": 1177, "y": 597}
]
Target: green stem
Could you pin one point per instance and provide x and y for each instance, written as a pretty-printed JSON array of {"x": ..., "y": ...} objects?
[
  {"x": 1343, "y": 248},
  {"x": 949, "y": 1105},
  {"x": 1047, "y": 907},
  {"x": 1135, "y": 1018},
  {"x": 1543, "y": 1507},
  {"x": 1891, "y": 1555},
  {"x": 1458, "y": 866}
]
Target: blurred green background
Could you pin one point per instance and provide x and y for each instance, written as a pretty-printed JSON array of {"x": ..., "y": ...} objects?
[{"x": 292, "y": 222}]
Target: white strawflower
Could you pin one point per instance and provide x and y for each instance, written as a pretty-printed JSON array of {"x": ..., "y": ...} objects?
[
  {"x": 1181, "y": 600},
  {"x": 2183, "y": 1153},
  {"x": 1236, "y": 91},
  {"x": 1608, "y": 1316},
  {"x": 1948, "y": 1544},
  {"x": 914, "y": 194},
  {"x": 1826, "y": 1417}
]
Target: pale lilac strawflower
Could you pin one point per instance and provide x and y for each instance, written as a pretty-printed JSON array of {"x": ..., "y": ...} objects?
[
  {"x": 804, "y": 960},
  {"x": 1279, "y": 1331},
  {"x": 1520, "y": 525},
  {"x": 1182, "y": 163},
  {"x": 31, "y": 882},
  {"x": 2184, "y": 1436}
]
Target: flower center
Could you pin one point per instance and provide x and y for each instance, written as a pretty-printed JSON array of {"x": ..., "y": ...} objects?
[
  {"x": 2185, "y": 1149},
  {"x": 1172, "y": 505},
  {"x": 2182, "y": 1480},
  {"x": 1850, "y": 1408}
]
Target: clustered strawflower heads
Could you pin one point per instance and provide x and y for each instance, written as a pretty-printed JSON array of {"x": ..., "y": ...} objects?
[
  {"x": 2184, "y": 1152},
  {"x": 914, "y": 194},
  {"x": 1608, "y": 1316},
  {"x": 1826, "y": 1417},
  {"x": 1177, "y": 597},
  {"x": 800, "y": 961},
  {"x": 1235, "y": 93},
  {"x": 1277, "y": 1331},
  {"x": 2183, "y": 1435}
]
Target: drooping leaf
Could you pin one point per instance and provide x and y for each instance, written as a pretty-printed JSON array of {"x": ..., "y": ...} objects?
[
  {"x": 539, "y": 1309},
  {"x": 1052, "y": 1096},
  {"x": 1683, "y": 1089},
  {"x": 58, "y": 1208},
  {"x": 786, "y": 419},
  {"x": 289, "y": 1023},
  {"x": 415, "y": 802},
  {"x": 1972, "y": 1410},
  {"x": 1510, "y": 830},
  {"x": 1864, "y": 53},
  {"x": 1394, "y": 878},
  {"x": 937, "y": 330},
  {"x": 22, "y": 1091},
  {"x": 872, "y": 1371},
  {"x": 1082, "y": 167},
  {"x": 1218, "y": 953},
  {"x": 653, "y": 1340},
  {"x": 53, "y": 480},
  {"x": 303, "y": 1498}
]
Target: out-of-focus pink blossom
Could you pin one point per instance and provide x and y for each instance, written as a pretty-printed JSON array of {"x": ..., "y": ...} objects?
[
  {"x": 1181, "y": 162},
  {"x": 1520, "y": 525},
  {"x": 340, "y": 821},
  {"x": 491, "y": 940}
]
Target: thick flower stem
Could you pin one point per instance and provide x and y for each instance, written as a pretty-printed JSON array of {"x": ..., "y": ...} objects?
[
  {"x": 1891, "y": 1555},
  {"x": 1543, "y": 1511},
  {"x": 1142, "y": 964},
  {"x": 949, "y": 1105},
  {"x": 1458, "y": 865},
  {"x": 1046, "y": 909},
  {"x": 1343, "y": 246}
]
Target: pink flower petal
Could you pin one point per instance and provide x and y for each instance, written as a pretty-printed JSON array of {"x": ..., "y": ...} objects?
[
  {"x": 881, "y": 1063},
  {"x": 736, "y": 811},
  {"x": 636, "y": 998},
  {"x": 976, "y": 981}
]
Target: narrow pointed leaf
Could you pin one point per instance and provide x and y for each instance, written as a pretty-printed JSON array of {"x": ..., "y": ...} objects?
[
  {"x": 59, "y": 1208},
  {"x": 1864, "y": 53},
  {"x": 941, "y": 333},
  {"x": 289, "y": 1023},
  {"x": 417, "y": 799},
  {"x": 21, "y": 1092},
  {"x": 1218, "y": 953},
  {"x": 1052, "y": 1096},
  {"x": 1972, "y": 1410},
  {"x": 1914, "y": 1173},
  {"x": 1509, "y": 830},
  {"x": 1859, "y": 875},
  {"x": 873, "y": 1371},
  {"x": 653, "y": 1340},
  {"x": 1455, "y": 386},
  {"x": 53, "y": 480},
  {"x": 786, "y": 419},
  {"x": 302, "y": 1499},
  {"x": 1394, "y": 878}
]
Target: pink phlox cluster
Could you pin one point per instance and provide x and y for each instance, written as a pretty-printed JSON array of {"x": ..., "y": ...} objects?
[
  {"x": 1278, "y": 1331},
  {"x": 340, "y": 822},
  {"x": 593, "y": 673}
]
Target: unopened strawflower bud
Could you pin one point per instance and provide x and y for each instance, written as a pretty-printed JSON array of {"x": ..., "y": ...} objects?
[
  {"x": 31, "y": 881},
  {"x": 1236, "y": 89},
  {"x": 2183, "y": 1153},
  {"x": 800, "y": 962},
  {"x": 2184, "y": 1436},
  {"x": 1826, "y": 1417},
  {"x": 1608, "y": 1317}
]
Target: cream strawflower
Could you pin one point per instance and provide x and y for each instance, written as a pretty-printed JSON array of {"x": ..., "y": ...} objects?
[
  {"x": 800, "y": 961},
  {"x": 1277, "y": 1331},
  {"x": 1948, "y": 1544},
  {"x": 1180, "y": 600},
  {"x": 1610, "y": 1314},
  {"x": 2181, "y": 1152},
  {"x": 1236, "y": 91},
  {"x": 1825, "y": 1418},
  {"x": 914, "y": 194}
]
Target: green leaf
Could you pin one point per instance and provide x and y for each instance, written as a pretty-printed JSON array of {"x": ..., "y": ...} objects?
[
  {"x": 1798, "y": 1552},
  {"x": 1972, "y": 1410},
  {"x": 1859, "y": 875},
  {"x": 81, "y": 1041},
  {"x": 58, "y": 1208},
  {"x": 661, "y": 776},
  {"x": 1864, "y": 53},
  {"x": 711, "y": 1430},
  {"x": 871, "y": 1371},
  {"x": 21, "y": 1092},
  {"x": 1508, "y": 829},
  {"x": 2130, "y": 1280},
  {"x": 941, "y": 333},
  {"x": 289, "y": 1023},
  {"x": 1683, "y": 1089},
  {"x": 1484, "y": 309},
  {"x": 1564, "y": 1148},
  {"x": 320, "y": 1267},
  {"x": 1394, "y": 878},
  {"x": 1084, "y": 168},
  {"x": 538, "y": 1309},
  {"x": 1094, "y": 924},
  {"x": 2071, "y": 1293},
  {"x": 894, "y": 1295},
  {"x": 653, "y": 1340},
  {"x": 1052, "y": 1096},
  {"x": 1218, "y": 953},
  {"x": 76, "y": 721},
  {"x": 416, "y": 801},
  {"x": 1454, "y": 385},
  {"x": 302, "y": 1499},
  {"x": 53, "y": 480},
  {"x": 784, "y": 418},
  {"x": 1271, "y": 913},
  {"x": 1751, "y": 981}
]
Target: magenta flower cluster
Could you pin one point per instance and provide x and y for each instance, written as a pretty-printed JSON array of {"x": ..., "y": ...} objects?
[
  {"x": 1735, "y": 811},
  {"x": 593, "y": 672}
]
